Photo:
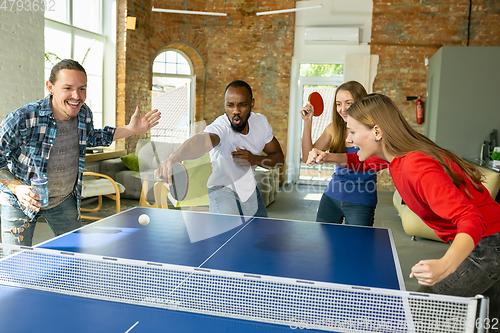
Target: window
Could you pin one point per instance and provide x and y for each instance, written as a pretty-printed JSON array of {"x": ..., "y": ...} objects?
[
  {"x": 173, "y": 95},
  {"x": 87, "y": 15},
  {"x": 74, "y": 30},
  {"x": 322, "y": 70},
  {"x": 171, "y": 62}
]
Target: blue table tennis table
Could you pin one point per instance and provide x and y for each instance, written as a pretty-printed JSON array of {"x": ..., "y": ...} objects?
[{"x": 306, "y": 251}]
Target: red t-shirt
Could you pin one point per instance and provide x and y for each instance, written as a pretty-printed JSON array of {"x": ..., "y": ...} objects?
[{"x": 430, "y": 193}]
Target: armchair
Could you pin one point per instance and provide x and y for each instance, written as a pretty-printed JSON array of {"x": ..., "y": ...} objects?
[
  {"x": 96, "y": 184},
  {"x": 415, "y": 227},
  {"x": 199, "y": 170},
  {"x": 150, "y": 153}
]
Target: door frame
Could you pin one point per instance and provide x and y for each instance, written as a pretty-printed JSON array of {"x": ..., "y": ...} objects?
[{"x": 295, "y": 120}]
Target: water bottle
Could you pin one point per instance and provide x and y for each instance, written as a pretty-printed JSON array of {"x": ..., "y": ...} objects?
[{"x": 39, "y": 186}]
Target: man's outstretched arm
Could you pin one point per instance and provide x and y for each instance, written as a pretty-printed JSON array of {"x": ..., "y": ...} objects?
[{"x": 191, "y": 149}]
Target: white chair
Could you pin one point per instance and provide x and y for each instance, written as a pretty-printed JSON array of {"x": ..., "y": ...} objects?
[
  {"x": 199, "y": 170},
  {"x": 96, "y": 184}
]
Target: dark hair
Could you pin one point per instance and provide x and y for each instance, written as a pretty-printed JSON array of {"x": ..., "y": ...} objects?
[
  {"x": 239, "y": 84},
  {"x": 65, "y": 64}
]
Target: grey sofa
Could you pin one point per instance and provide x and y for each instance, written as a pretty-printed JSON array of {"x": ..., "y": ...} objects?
[
  {"x": 268, "y": 182},
  {"x": 267, "y": 179},
  {"x": 151, "y": 153}
]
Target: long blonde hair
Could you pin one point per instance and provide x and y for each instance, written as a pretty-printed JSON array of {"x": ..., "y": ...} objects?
[
  {"x": 399, "y": 138},
  {"x": 339, "y": 127}
]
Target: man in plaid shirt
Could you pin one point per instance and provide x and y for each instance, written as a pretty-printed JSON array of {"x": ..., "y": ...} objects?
[{"x": 48, "y": 138}]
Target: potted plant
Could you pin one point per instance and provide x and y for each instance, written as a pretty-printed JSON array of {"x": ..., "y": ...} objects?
[{"x": 495, "y": 157}]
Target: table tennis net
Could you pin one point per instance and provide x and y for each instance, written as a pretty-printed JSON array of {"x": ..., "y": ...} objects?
[{"x": 295, "y": 303}]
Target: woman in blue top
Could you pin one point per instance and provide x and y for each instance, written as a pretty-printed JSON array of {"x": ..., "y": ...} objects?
[{"x": 350, "y": 194}]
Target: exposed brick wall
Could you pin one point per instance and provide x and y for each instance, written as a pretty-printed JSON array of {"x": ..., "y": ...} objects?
[
  {"x": 21, "y": 58},
  {"x": 133, "y": 65},
  {"x": 257, "y": 49},
  {"x": 194, "y": 46},
  {"x": 405, "y": 33}
]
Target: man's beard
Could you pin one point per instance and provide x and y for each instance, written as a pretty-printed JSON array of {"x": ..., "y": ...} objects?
[{"x": 239, "y": 128}]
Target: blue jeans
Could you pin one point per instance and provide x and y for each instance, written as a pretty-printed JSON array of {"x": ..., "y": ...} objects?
[
  {"x": 18, "y": 229},
  {"x": 223, "y": 200},
  {"x": 334, "y": 211},
  {"x": 479, "y": 273}
]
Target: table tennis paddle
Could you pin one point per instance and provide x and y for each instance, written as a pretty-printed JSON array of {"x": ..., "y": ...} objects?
[
  {"x": 317, "y": 102},
  {"x": 180, "y": 182}
]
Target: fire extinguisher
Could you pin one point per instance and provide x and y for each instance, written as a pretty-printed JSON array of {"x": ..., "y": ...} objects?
[{"x": 420, "y": 111}]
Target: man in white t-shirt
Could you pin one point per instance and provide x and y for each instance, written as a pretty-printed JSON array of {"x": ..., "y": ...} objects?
[{"x": 235, "y": 141}]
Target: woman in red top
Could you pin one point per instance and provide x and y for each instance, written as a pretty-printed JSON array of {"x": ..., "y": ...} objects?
[{"x": 444, "y": 190}]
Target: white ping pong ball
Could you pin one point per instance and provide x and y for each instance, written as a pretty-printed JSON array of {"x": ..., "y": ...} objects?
[{"x": 144, "y": 219}]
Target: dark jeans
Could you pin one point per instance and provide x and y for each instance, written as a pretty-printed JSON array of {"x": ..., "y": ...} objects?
[
  {"x": 479, "y": 273},
  {"x": 334, "y": 211}
]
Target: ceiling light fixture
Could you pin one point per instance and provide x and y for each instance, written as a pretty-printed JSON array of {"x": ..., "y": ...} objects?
[
  {"x": 189, "y": 12},
  {"x": 287, "y": 10}
]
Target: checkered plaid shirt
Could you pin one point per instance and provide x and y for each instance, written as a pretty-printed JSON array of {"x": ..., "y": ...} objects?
[{"x": 27, "y": 136}]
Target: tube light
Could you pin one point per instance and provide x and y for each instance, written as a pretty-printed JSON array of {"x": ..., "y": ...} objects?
[
  {"x": 192, "y": 12},
  {"x": 287, "y": 10}
]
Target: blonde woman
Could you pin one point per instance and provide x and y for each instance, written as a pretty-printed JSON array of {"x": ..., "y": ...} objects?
[
  {"x": 444, "y": 190},
  {"x": 350, "y": 195}
]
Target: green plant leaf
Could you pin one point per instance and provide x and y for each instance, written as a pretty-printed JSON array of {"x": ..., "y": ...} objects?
[
  {"x": 88, "y": 50},
  {"x": 52, "y": 57},
  {"x": 495, "y": 156}
]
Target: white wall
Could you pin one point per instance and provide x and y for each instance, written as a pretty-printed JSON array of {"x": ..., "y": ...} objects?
[
  {"x": 21, "y": 58},
  {"x": 335, "y": 13}
]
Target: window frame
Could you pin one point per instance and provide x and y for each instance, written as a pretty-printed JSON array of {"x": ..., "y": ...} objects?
[
  {"x": 165, "y": 74},
  {"x": 74, "y": 31},
  {"x": 295, "y": 119},
  {"x": 191, "y": 86}
]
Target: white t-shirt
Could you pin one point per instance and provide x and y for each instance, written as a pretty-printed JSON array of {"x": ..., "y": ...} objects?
[{"x": 225, "y": 172}]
